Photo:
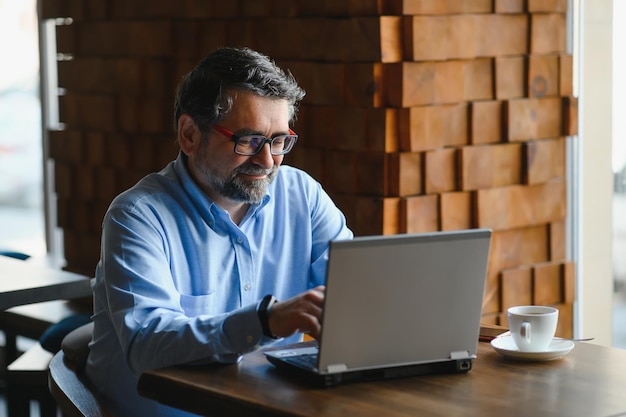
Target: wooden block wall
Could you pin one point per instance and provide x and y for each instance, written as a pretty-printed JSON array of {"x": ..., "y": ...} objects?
[{"x": 420, "y": 115}]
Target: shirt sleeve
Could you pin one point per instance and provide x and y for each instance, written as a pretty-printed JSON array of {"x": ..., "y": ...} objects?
[
  {"x": 147, "y": 311},
  {"x": 327, "y": 223}
]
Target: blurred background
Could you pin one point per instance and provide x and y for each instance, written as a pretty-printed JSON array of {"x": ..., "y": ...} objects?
[
  {"x": 21, "y": 164},
  {"x": 22, "y": 226},
  {"x": 619, "y": 169}
]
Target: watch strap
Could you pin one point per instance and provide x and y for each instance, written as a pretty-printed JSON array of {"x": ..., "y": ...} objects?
[{"x": 263, "y": 311}]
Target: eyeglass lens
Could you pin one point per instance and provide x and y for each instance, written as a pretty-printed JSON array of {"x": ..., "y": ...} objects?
[{"x": 251, "y": 145}]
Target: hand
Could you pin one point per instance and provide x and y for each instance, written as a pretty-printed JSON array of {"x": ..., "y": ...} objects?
[{"x": 301, "y": 313}]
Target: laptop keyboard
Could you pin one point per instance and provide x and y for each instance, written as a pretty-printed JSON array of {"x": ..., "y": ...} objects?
[{"x": 308, "y": 361}]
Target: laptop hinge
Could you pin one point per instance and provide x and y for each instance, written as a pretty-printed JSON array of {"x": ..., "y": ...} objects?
[
  {"x": 460, "y": 354},
  {"x": 336, "y": 367}
]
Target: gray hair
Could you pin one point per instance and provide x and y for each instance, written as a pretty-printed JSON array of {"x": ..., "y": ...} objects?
[{"x": 206, "y": 92}]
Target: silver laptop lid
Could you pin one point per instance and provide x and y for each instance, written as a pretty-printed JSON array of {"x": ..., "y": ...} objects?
[{"x": 403, "y": 299}]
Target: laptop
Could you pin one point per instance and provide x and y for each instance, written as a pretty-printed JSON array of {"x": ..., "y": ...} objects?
[{"x": 396, "y": 306}]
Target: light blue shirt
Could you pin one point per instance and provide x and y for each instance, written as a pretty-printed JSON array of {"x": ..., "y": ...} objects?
[{"x": 178, "y": 282}]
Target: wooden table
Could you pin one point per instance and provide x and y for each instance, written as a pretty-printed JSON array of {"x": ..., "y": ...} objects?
[
  {"x": 589, "y": 381},
  {"x": 22, "y": 282}
]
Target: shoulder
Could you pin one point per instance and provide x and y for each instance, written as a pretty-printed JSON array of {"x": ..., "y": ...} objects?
[
  {"x": 149, "y": 188},
  {"x": 295, "y": 183},
  {"x": 295, "y": 187},
  {"x": 295, "y": 176},
  {"x": 151, "y": 193}
]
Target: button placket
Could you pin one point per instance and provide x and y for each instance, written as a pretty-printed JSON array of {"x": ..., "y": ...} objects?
[{"x": 246, "y": 269}]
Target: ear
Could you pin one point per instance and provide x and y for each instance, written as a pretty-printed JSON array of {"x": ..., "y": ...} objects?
[{"x": 188, "y": 134}]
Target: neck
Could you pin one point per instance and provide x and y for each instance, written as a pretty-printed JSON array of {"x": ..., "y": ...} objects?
[{"x": 236, "y": 211}]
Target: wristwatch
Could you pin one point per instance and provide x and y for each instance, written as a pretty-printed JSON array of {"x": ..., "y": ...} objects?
[{"x": 263, "y": 311}]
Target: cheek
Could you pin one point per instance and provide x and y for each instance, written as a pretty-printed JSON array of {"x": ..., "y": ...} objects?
[
  {"x": 229, "y": 165},
  {"x": 222, "y": 159}
]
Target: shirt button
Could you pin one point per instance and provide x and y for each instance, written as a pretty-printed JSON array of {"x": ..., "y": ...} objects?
[
  {"x": 239, "y": 239},
  {"x": 249, "y": 339},
  {"x": 247, "y": 286}
]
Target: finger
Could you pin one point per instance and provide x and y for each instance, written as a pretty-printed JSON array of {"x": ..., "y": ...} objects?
[
  {"x": 313, "y": 327},
  {"x": 315, "y": 307},
  {"x": 319, "y": 291},
  {"x": 315, "y": 295},
  {"x": 321, "y": 288},
  {"x": 301, "y": 313}
]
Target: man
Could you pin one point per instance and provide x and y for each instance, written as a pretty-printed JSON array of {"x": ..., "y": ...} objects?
[{"x": 192, "y": 255}]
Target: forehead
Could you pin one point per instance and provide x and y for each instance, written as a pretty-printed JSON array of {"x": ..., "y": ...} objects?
[{"x": 256, "y": 112}]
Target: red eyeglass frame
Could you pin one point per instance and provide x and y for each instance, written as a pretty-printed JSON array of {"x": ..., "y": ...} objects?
[{"x": 234, "y": 137}]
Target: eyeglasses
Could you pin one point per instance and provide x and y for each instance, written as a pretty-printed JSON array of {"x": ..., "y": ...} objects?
[{"x": 249, "y": 145}]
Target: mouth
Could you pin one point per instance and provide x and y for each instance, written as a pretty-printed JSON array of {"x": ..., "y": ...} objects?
[
  {"x": 255, "y": 174},
  {"x": 254, "y": 177}
]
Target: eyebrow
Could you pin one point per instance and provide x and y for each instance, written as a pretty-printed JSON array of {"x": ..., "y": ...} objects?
[{"x": 246, "y": 131}]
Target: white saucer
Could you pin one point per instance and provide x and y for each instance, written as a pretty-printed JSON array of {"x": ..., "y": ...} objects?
[{"x": 507, "y": 347}]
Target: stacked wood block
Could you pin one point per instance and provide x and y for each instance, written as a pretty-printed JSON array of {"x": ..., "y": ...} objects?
[{"x": 420, "y": 115}]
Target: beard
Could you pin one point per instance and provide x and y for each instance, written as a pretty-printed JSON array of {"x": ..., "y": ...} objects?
[{"x": 238, "y": 187}]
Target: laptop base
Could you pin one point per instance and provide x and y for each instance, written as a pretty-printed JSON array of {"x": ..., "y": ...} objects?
[{"x": 452, "y": 366}]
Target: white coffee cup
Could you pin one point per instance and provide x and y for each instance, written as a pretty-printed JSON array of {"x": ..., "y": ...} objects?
[{"x": 532, "y": 327}]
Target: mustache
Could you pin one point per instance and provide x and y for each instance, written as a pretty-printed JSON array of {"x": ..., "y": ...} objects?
[{"x": 252, "y": 170}]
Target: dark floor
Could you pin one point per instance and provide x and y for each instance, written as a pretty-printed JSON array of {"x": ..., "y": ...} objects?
[{"x": 23, "y": 344}]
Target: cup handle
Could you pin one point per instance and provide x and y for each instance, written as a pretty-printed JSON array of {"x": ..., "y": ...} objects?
[{"x": 525, "y": 331}]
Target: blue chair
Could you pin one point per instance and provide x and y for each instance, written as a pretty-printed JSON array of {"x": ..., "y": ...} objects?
[{"x": 13, "y": 254}]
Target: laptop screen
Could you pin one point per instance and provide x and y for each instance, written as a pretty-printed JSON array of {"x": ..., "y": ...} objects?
[{"x": 403, "y": 299}]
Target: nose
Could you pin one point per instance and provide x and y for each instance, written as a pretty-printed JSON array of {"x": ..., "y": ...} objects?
[{"x": 264, "y": 158}]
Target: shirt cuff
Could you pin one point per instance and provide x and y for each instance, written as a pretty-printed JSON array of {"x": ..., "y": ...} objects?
[{"x": 243, "y": 330}]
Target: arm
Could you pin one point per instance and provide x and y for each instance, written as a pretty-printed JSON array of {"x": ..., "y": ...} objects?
[
  {"x": 155, "y": 307},
  {"x": 303, "y": 312}
]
